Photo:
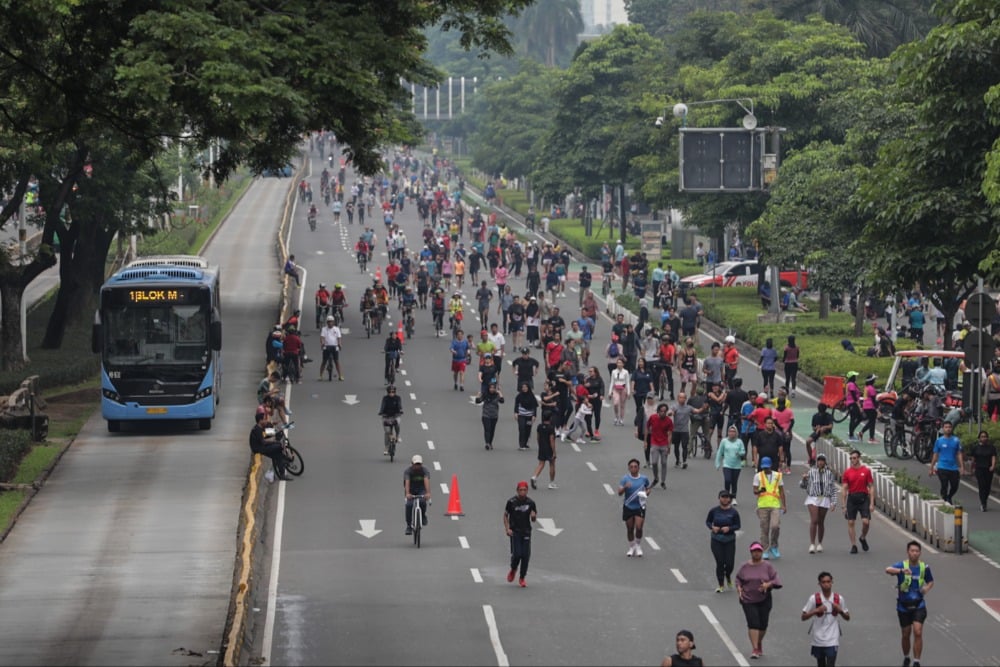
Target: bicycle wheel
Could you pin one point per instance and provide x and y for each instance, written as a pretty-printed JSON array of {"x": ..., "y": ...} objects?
[
  {"x": 889, "y": 441},
  {"x": 392, "y": 448},
  {"x": 838, "y": 413},
  {"x": 902, "y": 447},
  {"x": 294, "y": 464},
  {"x": 923, "y": 448},
  {"x": 417, "y": 522}
]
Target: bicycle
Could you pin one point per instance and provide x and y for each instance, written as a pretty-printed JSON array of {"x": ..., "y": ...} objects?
[
  {"x": 896, "y": 442},
  {"x": 701, "y": 442},
  {"x": 417, "y": 518},
  {"x": 312, "y": 222},
  {"x": 924, "y": 434},
  {"x": 438, "y": 323},
  {"x": 363, "y": 261},
  {"x": 389, "y": 426},
  {"x": 366, "y": 320},
  {"x": 321, "y": 314},
  {"x": 409, "y": 322},
  {"x": 390, "y": 372},
  {"x": 338, "y": 314},
  {"x": 294, "y": 465},
  {"x": 605, "y": 284}
]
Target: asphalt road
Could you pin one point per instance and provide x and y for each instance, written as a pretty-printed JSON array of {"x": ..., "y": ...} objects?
[
  {"x": 343, "y": 595},
  {"x": 126, "y": 556}
]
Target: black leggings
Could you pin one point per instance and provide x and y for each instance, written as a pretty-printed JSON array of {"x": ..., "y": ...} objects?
[
  {"x": 854, "y": 412},
  {"x": 791, "y": 375},
  {"x": 523, "y": 430},
  {"x": 949, "y": 484},
  {"x": 520, "y": 552},
  {"x": 597, "y": 404},
  {"x": 489, "y": 429},
  {"x": 871, "y": 414},
  {"x": 984, "y": 478},
  {"x": 725, "y": 559}
]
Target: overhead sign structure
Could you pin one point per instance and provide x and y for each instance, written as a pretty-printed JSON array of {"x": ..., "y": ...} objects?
[{"x": 726, "y": 159}]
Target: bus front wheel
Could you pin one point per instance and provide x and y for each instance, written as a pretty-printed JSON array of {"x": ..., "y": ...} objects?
[{"x": 114, "y": 426}]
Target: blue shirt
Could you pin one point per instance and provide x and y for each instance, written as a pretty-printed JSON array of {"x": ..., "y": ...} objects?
[
  {"x": 639, "y": 483},
  {"x": 459, "y": 349},
  {"x": 947, "y": 448},
  {"x": 913, "y": 595},
  {"x": 768, "y": 356}
]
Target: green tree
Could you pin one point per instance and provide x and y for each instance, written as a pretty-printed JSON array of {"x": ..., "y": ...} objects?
[
  {"x": 664, "y": 17},
  {"x": 548, "y": 30}
]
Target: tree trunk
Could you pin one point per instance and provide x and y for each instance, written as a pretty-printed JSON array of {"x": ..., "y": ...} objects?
[
  {"x": 83, "y": 255},
  {"x": 824, "y": 305},
  {"x": 11, "y": 294},
  {"x": 859, "y": 314}
]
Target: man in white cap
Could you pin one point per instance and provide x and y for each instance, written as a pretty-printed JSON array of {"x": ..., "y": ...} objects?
[{"x": 417, "y": 486}]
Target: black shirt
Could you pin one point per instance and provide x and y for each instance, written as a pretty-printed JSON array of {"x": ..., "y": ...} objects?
[
  {"x": 983, "y": 455},
  {"x": 821, "y": 419},
  {"x": 525, "y": 368},
  {"x": 735, "y": 400},
  {"x": 557, "y": 323},
  {"x": 419, "y": 477},
  {"x": 392, "y": 406},
  {"x": 585, "y": 279},
  {"x": 768, "y": 444},
  {"x": 257, "y": 441},
  {"x": 518, "y": 513}
]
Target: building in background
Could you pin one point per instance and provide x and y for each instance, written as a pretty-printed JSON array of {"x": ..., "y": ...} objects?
[{"x": 600, "y": 16}]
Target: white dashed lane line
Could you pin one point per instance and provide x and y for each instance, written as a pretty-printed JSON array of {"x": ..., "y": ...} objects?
[
  {"x": 476, "y": 577},
  {"x": 655, "y": 547},
  {"x": 430, "y": 444},
  {"x": 592, "y": 467},
  {"x": 444, "y": 488},
  {"x": 424, "y": 426},
  {"x": 677, "y": 574},
  {"x": 607, "y": 487},
  {"x": 464, "y": 542},
  {"x": 418, "y": 411},
  {"x": 437, "y": 465},
  {"x": 413, "y": 396}
]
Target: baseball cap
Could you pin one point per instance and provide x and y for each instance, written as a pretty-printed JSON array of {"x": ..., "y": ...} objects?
[
  {"x": 417, "y": 458},
  {"x": 329, "y": 318},
  {"x": 522, "y": 484},
  {"x": 760, "y": 400},
  {"x": 725, "y": 492},
  {"x": 525, "y": 350},
  {"x": 821, "y": 455},
  {"x": 765, "y": 462},
  {"x": 756, "y": 546}
]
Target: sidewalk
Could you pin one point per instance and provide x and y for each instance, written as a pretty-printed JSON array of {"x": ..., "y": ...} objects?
[{"x": 982, "y": 528}]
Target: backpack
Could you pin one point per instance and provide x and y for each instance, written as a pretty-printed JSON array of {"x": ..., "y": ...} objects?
[
  {"x": 613, "y": 350},
  {"x": 836, "y": 600}
]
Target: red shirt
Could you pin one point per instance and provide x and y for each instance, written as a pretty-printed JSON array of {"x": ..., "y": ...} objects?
[
  {"x": 659, "y": 430},
  {"x": 731, "y": 356},
  {"x": 553, "y": 353},
  {"x": 759, "y": 416},
  {"x": 857, "y": 479}
]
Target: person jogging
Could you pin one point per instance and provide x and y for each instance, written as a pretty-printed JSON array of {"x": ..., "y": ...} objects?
[
  {"x": 825, "y": 609},
  {"x": 914, "y": 581},
  {"x": 518, "y": 515}
]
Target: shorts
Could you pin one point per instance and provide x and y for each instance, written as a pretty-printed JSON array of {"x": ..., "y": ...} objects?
[
  {"x": 688, "y": 376},
  {"x": 758, "y": 614},
  {"x": 715, "y": 421},
  {"x": 458, "y": 366},
  {"x": 515, "y": 326},
  {"x": 824, "y": 651},
  {"x": 908, "y": 618},
  {"x": 628, "y": 513},
  {"x": 858, "y": 503}
]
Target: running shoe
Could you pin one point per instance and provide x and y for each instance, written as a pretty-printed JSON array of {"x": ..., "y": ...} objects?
[
  {"x": 534, "y": 485},
  {"x": 631, "y": 551},
  {"x": 812, "y": 548},
  {"x": 522, "y": 583},
  {"x": 553, "y": 485},
  {"x": 775, "y": 553},
  {"x": 854, "y": 548},
  {"x": 510, "y": 575},
  {"x": 638, "y": 551},
  {"x": 819, "y": 548},
  {"x": 864, "y": 543},
  {"x": 720, "y": 589}
]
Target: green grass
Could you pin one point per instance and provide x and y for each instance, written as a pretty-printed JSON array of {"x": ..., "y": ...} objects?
[
  {"x": 34, "y": 463},
  {"x": 9, "y": 502}
]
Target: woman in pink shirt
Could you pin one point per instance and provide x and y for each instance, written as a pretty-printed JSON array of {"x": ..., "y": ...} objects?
[
  {"x": 870, "y": 406},
  {"x": 852, "y": 401},
  {"x": 501, "y": 278},
  {"x": 784, "y": 418}
]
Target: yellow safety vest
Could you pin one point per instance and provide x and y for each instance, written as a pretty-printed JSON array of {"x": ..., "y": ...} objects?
[{"x": 768, "y": 496}]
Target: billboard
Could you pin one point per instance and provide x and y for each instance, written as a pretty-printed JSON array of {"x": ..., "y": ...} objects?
[{"x": 721, "y": 159}]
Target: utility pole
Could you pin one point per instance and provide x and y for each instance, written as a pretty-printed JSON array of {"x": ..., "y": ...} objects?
[{"x": 621, "y": 212}]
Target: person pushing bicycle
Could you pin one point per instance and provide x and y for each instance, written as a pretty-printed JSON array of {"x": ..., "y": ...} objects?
[{"x": 416, "y": 486}]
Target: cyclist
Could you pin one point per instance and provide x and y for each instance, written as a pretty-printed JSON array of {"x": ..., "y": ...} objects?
[
  {"x": 338, "y": 301},
  {"x": 322, "y": 304},
  {"x": 361, "y": 251},
  {"x": 381, "y": 298},
  {"x": 455, "y": 314},
  {"x": 408, "y": 302},
  {"x": 391, "y": 410},
  {"x": 393, "y": 350},
  {"x": 437, "y": 311},
  {"x": 416, "y": 485},
  {"x": 312, "y": 215}
]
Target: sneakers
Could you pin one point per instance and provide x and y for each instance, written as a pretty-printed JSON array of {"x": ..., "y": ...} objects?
[
  {"x": 720, "y": 589},
  {"x": 663, "y": 485},
  {"x": 409, "y": 530},
  {"x": 553, "y": 485},
  {"x": 812, "y": 548},
  {"x": 864, "y": 543},
  {"x": 522, "y": 583},
  {"x": 534, "y": 485},
  {"x": 819, "y": 548},
  {"x": 853, "y": 438},
  {"x": 461, "y": 387},
  {"x": 638, "y": 551},
  {"x": 423, "y": 519},
  {"x": 597, "y": 434},
  {"x": 755, "y": 654},
  {"x": 656, "y": 480},
  {"x": 581, "y": 441},
  {"x": 631, "y": 551},
  {"x": 684, "y": 466},
  {"x": 854, "y": 548},
  {"x": 510, "y": 575},
  {"x": 729, "y": 583},
  {"x": 455, "y": 388},
  {"x": 767, "y": 554},
  {"x": 341, "y": 378},
  {"x": 775, "y": 553},
  {"x": 906, "y": 661}
]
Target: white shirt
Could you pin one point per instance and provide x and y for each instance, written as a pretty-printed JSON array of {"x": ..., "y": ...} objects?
[
  {"x": 825, "y": 629},
  {"x": 498, "y": 342},
  {"x": 330, "y": 336},
  {"x": 621, "y": 377}
]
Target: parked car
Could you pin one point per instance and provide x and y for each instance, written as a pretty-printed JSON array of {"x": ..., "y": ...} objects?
[{"x": 743, "y": 273}]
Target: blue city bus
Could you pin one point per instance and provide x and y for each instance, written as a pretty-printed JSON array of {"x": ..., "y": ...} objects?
[{"x": 158, "y": 329}]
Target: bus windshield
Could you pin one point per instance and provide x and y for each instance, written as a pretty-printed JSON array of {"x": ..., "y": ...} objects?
[{"x": 156, "y": 334}]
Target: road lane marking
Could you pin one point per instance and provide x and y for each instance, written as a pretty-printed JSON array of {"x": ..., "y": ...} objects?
[
  {"x": 575, "y": 446},
  {"x": 476, "y": 577},
  {"x": 654, "y": 545},
  {"x": 592, "y": 467},
  {"x": 413, "y": 396},
  {"x": 678, "y": 576},
  {"x": 424, "y": 426},
  {"x": 430, "y": 444},
  {"x": 407, "y": 383},
  {"x": 402, "y": 371},
  {"x": 491, "y": 623},
  {"x": 464, "y": 542},
  {"x": 987, "y": 608},
  {"x": 437, "y": 465},
  {"x": 607, "y": 487},
  {"x": 272, "y": 585},
  {"x": 740, "y": 660},
  {"x": 418, "y": 411},
  {"x": 444, "y": 488}
]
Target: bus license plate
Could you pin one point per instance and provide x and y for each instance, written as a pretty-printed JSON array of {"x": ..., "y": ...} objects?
[{"x": 156, "y": 411}]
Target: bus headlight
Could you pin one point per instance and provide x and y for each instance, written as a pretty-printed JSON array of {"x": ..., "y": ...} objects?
[
  {"x": 112, "y": 395},
  {"x": 204, "y": 393}
]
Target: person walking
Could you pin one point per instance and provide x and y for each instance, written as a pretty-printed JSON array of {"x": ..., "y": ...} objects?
[
  {"x": 755, "y": 580},
  {"x": 825, "y": 608},
  {"x": 914, "y": 580},
  {"x": 730, "y": 457},
  {"x": 948, "y": 462},
  {"x": 723, "y": 521},
  {"x": 984, "y": 457},
  {"x": 790, "y": 358},
  {"x": 767, "y": 363},
  {"x": 490, "y": 401},
  {"x": 659, "y": 432},
  {"x": 594, "y": 384},
  {"x": 518, "y": 515},
  {"x": 635, "y": 488},
  {"x": 546, "y": 437},
  {"x": 869, "y": 405},
  {"x": 821, "y": 497},
  {"x": 770, "y": 491},
  {"x": 684, "y": 656},
  {"x": 525, "y": 410},
  {"x": 619, "y": 389},
  {"x": 852, "y": 403},
  {"x": 858, "y": 489}
]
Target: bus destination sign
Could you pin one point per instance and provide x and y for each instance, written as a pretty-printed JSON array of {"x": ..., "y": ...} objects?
[{"x": 152, "y": 296}]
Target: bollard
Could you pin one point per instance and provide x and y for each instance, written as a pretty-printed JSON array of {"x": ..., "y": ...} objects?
[{"x": 958, "y": 529}]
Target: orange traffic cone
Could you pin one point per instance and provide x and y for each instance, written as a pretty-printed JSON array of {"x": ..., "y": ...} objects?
[
  {"x": 454, "y": 499},
  {"x": 378, "y": 274},
  {"x": 399, "y": 331}
]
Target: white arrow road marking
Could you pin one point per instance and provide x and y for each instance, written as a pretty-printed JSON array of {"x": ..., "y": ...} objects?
[
  {"x": 548, "y": 526},
  {"x": 678, "y": 576},
  {"x": 430, "y": 444},
  {"x": 464, "y": 542},
  {"x": 444, "y": 488},
  {"x": 476, "y": 577},
  {"x": 653, "y": 544},
  {"x": 351, "y": 399},
  {"x": 592, "y": 467},
  {"x": 607, "y": 487},
  {"x": 367, "y": 528}
]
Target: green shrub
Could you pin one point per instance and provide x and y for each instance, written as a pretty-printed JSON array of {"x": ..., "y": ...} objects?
[{"x": 13, "y": 446}]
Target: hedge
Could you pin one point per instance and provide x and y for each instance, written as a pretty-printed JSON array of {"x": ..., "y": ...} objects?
[{"x": 13, "y": 446}]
